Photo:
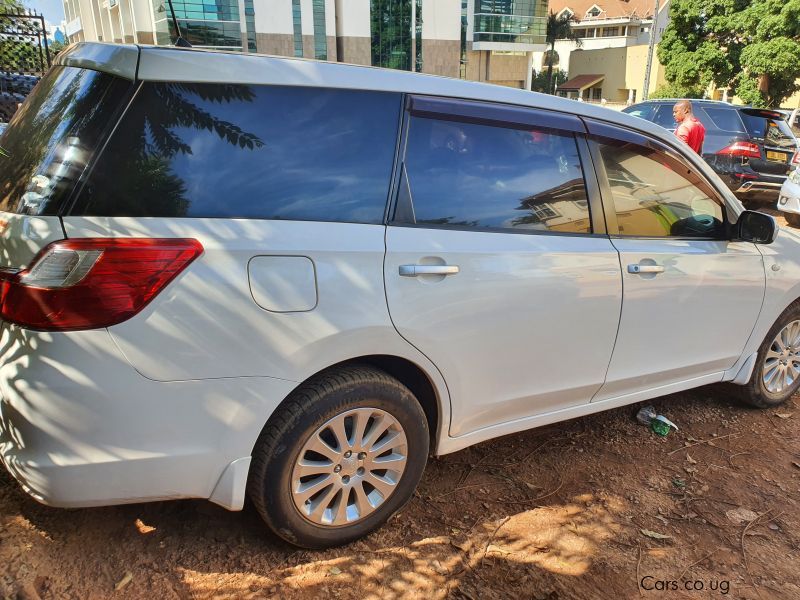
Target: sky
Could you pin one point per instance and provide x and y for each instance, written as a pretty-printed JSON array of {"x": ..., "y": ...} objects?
[{"x": 53, "y": 10}]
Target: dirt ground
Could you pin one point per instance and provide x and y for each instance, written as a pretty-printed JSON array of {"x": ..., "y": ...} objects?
[
  {"x": 597, "y": 507},
  {"x": 573, "y": 510}
]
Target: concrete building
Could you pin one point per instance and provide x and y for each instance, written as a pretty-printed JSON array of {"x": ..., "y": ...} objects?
[
  {"x": 609, "y": 62},
  {"x": 611, "y": 75},
  {"x": 482, "y": 40}
]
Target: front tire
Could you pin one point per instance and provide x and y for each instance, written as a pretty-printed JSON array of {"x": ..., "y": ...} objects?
[
  {"x": 342, "y": 454},
  {"x": 776, "y": 375}
]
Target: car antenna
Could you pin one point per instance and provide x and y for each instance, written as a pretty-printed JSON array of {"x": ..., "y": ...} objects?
[{"x": 181, "y": 42}]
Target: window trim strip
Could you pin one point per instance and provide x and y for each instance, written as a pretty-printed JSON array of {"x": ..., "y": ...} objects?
[{"x": 493, "y": 114}]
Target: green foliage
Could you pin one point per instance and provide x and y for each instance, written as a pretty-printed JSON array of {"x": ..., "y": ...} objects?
[
  {"x": 391, "y": 34},
  {"x": 11, "y": 6},
  {"x": 558, "y": 28},
  {"x": 752, "y": 46},
  {"x": 674, "y": 90},
  {"x": 55, "y": 47},
  {"x": 539, "y": 81}
]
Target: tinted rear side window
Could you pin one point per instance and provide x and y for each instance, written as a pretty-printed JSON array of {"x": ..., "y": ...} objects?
[
  {"x": 267, "y": 152},
  {"x": 470, "y": 175},
  {"x": 725, "y": 118},
  {"x": 53, "y": 136}
]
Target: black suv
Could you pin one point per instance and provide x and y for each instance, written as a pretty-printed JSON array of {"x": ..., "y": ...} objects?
[{"x": 751, "y": 149}]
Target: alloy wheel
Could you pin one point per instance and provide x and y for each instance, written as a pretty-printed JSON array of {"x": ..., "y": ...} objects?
[
  {"x": 782, "y": 362},
  {"x": 349, "y": 467}
]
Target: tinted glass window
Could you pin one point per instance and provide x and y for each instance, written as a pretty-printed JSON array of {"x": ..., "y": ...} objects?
[
  {"x": 657, "y": 195},
  {"x": 492, "y": 177},
  {"x": 663, "y": 116},
  {"x": 643, "y": 111},
  {"x": 774, "y": 132},
  {"x": 725, "y": 118},
  {"x": 210, "y": 150},
  {"x": 53, "y": 136}
]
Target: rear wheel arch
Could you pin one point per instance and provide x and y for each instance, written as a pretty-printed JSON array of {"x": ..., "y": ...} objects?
[{"x": 406, "y": 372}]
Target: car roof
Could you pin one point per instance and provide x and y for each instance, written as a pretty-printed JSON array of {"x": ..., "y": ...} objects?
[
  {"x": 191, "y": 65},
  {"x": 719, "y": 103},
  {"x": 166, "y": 63}
]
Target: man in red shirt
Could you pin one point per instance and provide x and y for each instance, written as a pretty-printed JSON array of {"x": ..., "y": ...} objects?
[{"x": 690, "y": 130}]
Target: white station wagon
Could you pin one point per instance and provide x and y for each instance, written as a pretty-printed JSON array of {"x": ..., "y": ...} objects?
[{"x": 228, "y": 275}]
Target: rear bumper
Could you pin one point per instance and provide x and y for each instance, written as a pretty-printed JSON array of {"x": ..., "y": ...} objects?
[
  {"x": 759, "y": 186},
  {"x": 79, "y": 427}
]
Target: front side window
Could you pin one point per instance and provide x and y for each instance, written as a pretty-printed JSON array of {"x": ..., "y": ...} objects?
[
  {"x": 656, "y": 195},
  {"x": 663, "y": 116},
  {"x": 248, "y": 151},
  {"x": 487, "y": 177},
  {"x": 643, "y": 111}
]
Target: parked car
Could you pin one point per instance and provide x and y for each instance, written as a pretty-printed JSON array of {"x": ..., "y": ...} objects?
[
  {"x": 750, "y": 149},
  {"x": 789, "y": 198},
  {"x": 230, "y": 274},
  {"x": 13, "y": 90}
]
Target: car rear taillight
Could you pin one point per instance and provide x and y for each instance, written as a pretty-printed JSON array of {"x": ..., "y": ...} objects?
[
  {"x": 743, "y": 149},
  {"x": 796, "y": 158},
  {"x": 92, "y": 282}
]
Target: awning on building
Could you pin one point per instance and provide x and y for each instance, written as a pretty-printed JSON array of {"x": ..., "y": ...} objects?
[{"x": 580, "y": 83}]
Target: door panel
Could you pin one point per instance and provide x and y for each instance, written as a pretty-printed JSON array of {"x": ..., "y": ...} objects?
[
  {"x": 692, "y": 319},
  {"x": 690, "y": 296},
  {"x": 526, "y": 326}
]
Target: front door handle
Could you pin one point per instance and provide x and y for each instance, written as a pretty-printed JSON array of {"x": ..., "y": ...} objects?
[
  {"x": 638, "y": 269},
  {"x": 416, "y": 270}
]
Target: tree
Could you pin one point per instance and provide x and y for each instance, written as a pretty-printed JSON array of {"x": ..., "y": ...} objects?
[
  {"x": 675, "y": 90},
  {"x": 55, "y": 47},
  {"x": 539, "y": 82},
  {"x": 558, "y": 28},
  {"x": 751, "y": 46}
]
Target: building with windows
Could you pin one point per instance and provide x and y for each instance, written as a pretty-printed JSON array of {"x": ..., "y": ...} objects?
[
  {"x": 611, "y": 56},
  {"x": 482, "y": 40}
]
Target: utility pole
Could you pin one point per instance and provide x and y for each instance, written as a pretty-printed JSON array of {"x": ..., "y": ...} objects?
[{"x": 650, "y": 48}]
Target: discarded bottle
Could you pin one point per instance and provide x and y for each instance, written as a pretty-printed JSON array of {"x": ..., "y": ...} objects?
[
  {"x": 659, "y": 424},
  {"x": 646, "y": 414}
]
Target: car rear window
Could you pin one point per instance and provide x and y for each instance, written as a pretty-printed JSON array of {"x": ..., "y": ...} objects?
[
  {"x": 51, "y": 139},
  {"x": 726, "y": 119},
  {"x": 774, "y": 132},
  {"x": 242, "y": 151}
]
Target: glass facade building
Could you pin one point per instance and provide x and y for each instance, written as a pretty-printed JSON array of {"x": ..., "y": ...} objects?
[
  {"x": 391, "y": 34},
  {"x": 297, "y": 21},
  {"x": 396, "y": 27},
  {"x": 320, "y": 39},
  {"x": 250, "y": 23},
  {"x": 418, "y": 36},
  {"x": 204, "y": 23},
  {"x": 511, "y": 21}
]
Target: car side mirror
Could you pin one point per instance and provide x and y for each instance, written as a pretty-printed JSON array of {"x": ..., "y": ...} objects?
[{"x": 756, "y": 227}]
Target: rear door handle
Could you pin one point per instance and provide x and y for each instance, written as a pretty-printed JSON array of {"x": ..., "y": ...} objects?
[
  {"x": 416, "y": 270},
  {"x": 638, "y": 269}
]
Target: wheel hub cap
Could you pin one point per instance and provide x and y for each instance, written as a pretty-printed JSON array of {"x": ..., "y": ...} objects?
[
  {"x": 782, "y": 362},
  {"x": 349, "y": 467}
]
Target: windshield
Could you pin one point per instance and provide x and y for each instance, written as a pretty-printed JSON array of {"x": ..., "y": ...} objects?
[
  {"x": 774, "y": 132},
  {"x": 52, "y": 137}
]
